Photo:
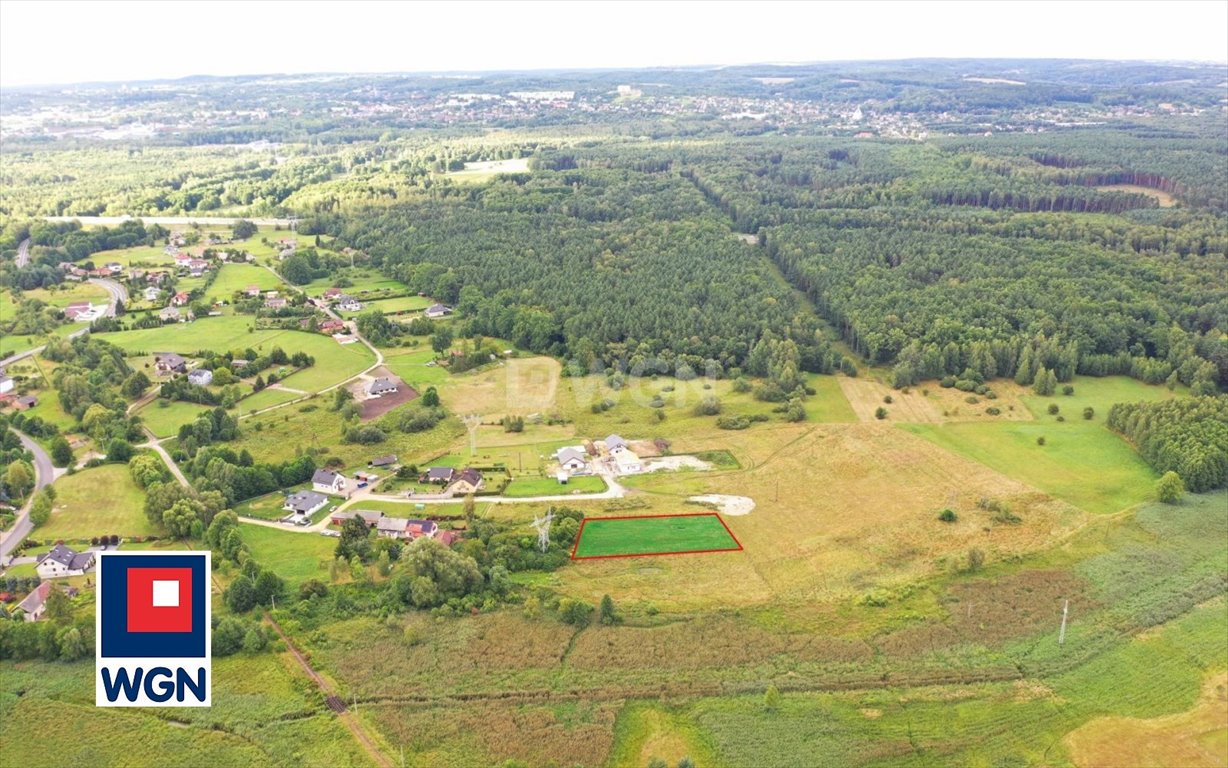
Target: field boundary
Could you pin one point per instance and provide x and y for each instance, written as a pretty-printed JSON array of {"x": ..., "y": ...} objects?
[{"x": 719, "y": 519}]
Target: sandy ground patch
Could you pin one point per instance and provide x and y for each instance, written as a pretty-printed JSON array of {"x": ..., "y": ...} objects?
[
  {"x": 669, "y": 463},
  {"x": 1192, "y": 738},
  {"x": 1163, "y": 198},
  {"x": 728, "y": 505},
  {"x": 866, "y": 396}
]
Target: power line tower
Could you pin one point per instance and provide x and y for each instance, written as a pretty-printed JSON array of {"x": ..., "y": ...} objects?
[
  {"x": 472, "y": 422},
  {"x": 542, "y": 526}
]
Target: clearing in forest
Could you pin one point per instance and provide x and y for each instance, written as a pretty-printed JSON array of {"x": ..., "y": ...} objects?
[{"x": 603, "y": 537}]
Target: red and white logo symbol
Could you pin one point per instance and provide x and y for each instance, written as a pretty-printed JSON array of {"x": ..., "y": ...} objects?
[{"x": 159, "y": 599}]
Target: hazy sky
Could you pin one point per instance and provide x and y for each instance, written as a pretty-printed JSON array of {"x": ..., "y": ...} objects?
[{"x": 62, "y": 42}]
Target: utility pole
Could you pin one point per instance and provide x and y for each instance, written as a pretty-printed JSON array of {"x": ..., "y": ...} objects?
[{"x": 1061, "y": 636}]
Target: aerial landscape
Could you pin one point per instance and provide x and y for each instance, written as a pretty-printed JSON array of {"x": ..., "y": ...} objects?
[{"x": 841, "y": 413}]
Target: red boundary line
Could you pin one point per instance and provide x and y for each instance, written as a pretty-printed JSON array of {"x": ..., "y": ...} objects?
[{"x": 719, "y": 519}]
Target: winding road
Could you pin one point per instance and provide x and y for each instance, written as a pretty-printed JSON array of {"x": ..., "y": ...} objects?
[
  {"x": 118, "y": 293},
  {"x": 45, "y": 473}
]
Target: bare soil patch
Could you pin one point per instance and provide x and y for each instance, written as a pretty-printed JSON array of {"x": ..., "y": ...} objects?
[
  {"x": 1163, "y": 198},
  {"x": 373, "y": 408},
  {"x": 728, "y": 505}
]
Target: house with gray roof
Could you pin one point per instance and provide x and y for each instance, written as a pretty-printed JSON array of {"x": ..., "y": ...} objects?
[
  {"x": 201, "y": 377},
  {"x": 64, "y": 561},
  {"x": 438, "y": 475},
  {"x": 328, "y": 481},
  {"x": 369, "y": 516},
  {"x": 304, "y": 503},
  {"x": 382, "y": 386},
  {"x": 572, "y": 458},
  {"x": 35, "y": 603},
  {"x": 614, "y": 444},
  {"x": 166, "y": 363},
  {"x": 438, "y": 310}
]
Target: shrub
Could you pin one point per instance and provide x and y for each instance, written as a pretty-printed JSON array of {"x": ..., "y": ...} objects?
[
  {"x": 1040, "y": 440},
  {"x": 887, "y": 399},
  {"x": 1053, "y": 409},
  {"x": 708, "y": 406},
  {"x": 1067, "y": 390},
  {"x": 948, "y": 515},
  {"x": 880, "y": 413},
  {"x": 1089, "y": 413},
  {"x": 993, "y": 410},
  {"x": 1170, "y": 488}
]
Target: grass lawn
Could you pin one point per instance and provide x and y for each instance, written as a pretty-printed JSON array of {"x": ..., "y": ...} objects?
[
  {"x": 295, "y": 556},
  {"x": 264, "y": 399},
  {"x": 334, "y": 362},
  {"x": 164, "y": 417},
  {"x": 236, "y": 277},
  {"x": 1082, "y": 461},
  {"x": 671, "y": 534},
  {"x": 549, "y": 486},
  {"x": 98, "y": 501},
  {"x": 410, "y": 363},
  {"x": 393, "y": 306},
  {"x": 362, "y": 281},
  {"x": 63, "y": 296}
]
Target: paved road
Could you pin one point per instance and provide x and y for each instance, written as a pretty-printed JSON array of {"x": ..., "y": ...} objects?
[
  {"x": 45, "y": 473},
  {"x": 118, "y": 292},
  {"x": 23, "y": 253},
  {"x": 156, "y": 444}
]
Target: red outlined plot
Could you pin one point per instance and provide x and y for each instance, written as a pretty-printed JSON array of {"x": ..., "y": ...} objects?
[{"x": 695, "y": 526}]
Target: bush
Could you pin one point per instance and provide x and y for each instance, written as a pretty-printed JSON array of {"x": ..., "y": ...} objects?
[
  {"x": 1170, "y": 488},
  {"x": 948, "y": 515},
  {"x": 887, "y": 400},
  {"x": 880, "y": 413},
  {"x": 993, "y": 410},
  {"x": 708, "y": 406},
  {"x": 1089, "y": 413},
  {"x": 1053, "y": 409},
  {"x": 1040, "y": 440},
  {"x": 1067, "y": 390}
]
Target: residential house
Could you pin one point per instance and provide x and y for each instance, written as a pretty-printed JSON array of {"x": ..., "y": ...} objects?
[
  {"x": 275, "y": 303},
  {"x": 35, "y": 604},
  {"x": 332, "y": 293},
  {"x": 332, "y": 326},
  {"x": 448, "y": 538},
  {"x": 304, "y": 503},
  {"x": 417, "y": 529},
  {"x": 181, "y": 298},
  {"x": 328, "y": 481},
  {"x": 63, "y": 561},
  {"x": 171, "y": 315},
  {"x": 166, "y": 363},
  {"x": 252, "y": 290},
  {"x": 468, "y": 480},
  {"x": 438, "y": 475},
  {"x": 201, "y": 377},
  {"x": 25, "y": 403},
  {"x": 348, "y": 304},
  {"x": 136, "y": 275},
  {"x": 627, "y": 463},
  {"x": 6, "y": 384},
  {"x": 157, "y": 278},
  {"x": 238, "y": 363},
  {"x": 438, "y": 310},
  {"x": 368, "y": 516},
  {"x": 383, "y": 461},
  {"x": 572, "y": 458},
  {"x": 381, "y": 386},
  {"x": 392, "y": 527},
  {"x": 82, "y": 312},
  {"x": 114, "y": 267},
  {"x": 614, "y": 444},
  {"x": 152, "y": 293},
  {"x": 182, "y": 260}
]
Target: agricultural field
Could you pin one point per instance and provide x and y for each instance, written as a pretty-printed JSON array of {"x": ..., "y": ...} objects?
[
  {"x": 68, "y": 293},
  {"x": 602, "y": 537},
  {"x": 94, "y": 502}
]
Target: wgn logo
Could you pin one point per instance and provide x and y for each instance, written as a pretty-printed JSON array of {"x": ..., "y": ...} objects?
[{"x": 153, "y": 630}]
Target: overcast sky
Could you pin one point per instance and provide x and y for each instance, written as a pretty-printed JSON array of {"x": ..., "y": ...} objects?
[{"x": 63, "y": 42}]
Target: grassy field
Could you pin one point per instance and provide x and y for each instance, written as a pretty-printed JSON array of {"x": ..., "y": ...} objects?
[
  {"x": 1081, "y": 461},
  {"x": 549, "y": 486},
  {"x": 393, "y": 306},
  {"x": 295, "y": 556},
  {"x": 236, "y": 277},
  {"x": 410, "y": 363},
  {"x": 164, "y": 417},
  {"x": 362, "y": 281},
  {"x": 263, "y": 714},
  {"x": 629, "y": 536},
  {"x": 265, "y": 398},
  {"x": 334, "y": 362},
  {"x": 95, "y": 502},
  {"x": 68, "y": 293}
]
